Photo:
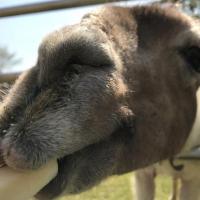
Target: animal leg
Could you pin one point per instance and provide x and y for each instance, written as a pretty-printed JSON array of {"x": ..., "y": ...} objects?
[
  {"x": 190, "y": 190},
  {"x": 174, "y": 189},
  {"x": 144, "y": 184}
]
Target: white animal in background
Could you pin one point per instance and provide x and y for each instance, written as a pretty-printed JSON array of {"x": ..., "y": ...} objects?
[{"x": 189, "y": 176}]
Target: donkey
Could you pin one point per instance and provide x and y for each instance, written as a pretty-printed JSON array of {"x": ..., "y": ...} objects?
[{"x": 112, "y": 94}]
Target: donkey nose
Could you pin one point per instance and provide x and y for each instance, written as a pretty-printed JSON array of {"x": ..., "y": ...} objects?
[{"x": 13, "y": 159}]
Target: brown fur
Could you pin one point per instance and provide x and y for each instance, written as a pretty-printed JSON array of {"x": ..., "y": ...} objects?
[{"x": 107, "y": 96}]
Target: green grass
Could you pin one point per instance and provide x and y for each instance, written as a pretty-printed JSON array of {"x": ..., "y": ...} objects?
[
  {"x": 164, "y": 186},
  {"x": 121, "y": 188}
]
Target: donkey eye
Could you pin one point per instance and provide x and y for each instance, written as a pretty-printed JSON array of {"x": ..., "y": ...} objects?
[{"x": 192, "y": 57}]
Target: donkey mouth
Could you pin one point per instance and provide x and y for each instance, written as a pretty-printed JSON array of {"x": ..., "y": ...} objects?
[{"x": 87, "y": 167}]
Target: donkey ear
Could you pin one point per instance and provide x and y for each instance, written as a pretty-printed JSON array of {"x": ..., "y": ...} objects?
[{"x": 76, "y": 46}]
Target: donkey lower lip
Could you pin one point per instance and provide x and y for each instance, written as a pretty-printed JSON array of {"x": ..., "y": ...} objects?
[{"x": 73, "y": 168}]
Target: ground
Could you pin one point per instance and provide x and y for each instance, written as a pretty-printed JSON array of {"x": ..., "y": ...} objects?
[{"x": 121, "y": 188}]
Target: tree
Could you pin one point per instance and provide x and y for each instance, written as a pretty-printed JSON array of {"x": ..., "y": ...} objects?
[
  {"x": 7, "y": 59},
  {"x": 190, "y": 6}
]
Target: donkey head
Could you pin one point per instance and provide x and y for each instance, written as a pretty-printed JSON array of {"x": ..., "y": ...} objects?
[{"x": 114, "y": 93}]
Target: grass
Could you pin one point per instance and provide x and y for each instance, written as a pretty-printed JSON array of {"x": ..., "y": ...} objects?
[{"x": 121, "y": 188}]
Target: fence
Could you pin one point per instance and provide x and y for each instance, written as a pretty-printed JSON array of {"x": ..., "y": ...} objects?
[
  {"x": 47, "y": 6},
  {"x": 42, "y": 7}
]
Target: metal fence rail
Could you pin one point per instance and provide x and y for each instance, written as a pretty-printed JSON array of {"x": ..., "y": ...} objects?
[
  {"x": 41, "y": 7},
  {"x": 8, "y": 78},
  {"x": 50, "y": 5}
]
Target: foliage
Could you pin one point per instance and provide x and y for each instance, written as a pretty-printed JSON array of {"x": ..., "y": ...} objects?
[
  {"x": 7, "y": 59},
  {"x": 190, "y": 6}
]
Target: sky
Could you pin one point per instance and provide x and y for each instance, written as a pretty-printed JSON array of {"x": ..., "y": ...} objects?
[{"x": 22, "y": 34}]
